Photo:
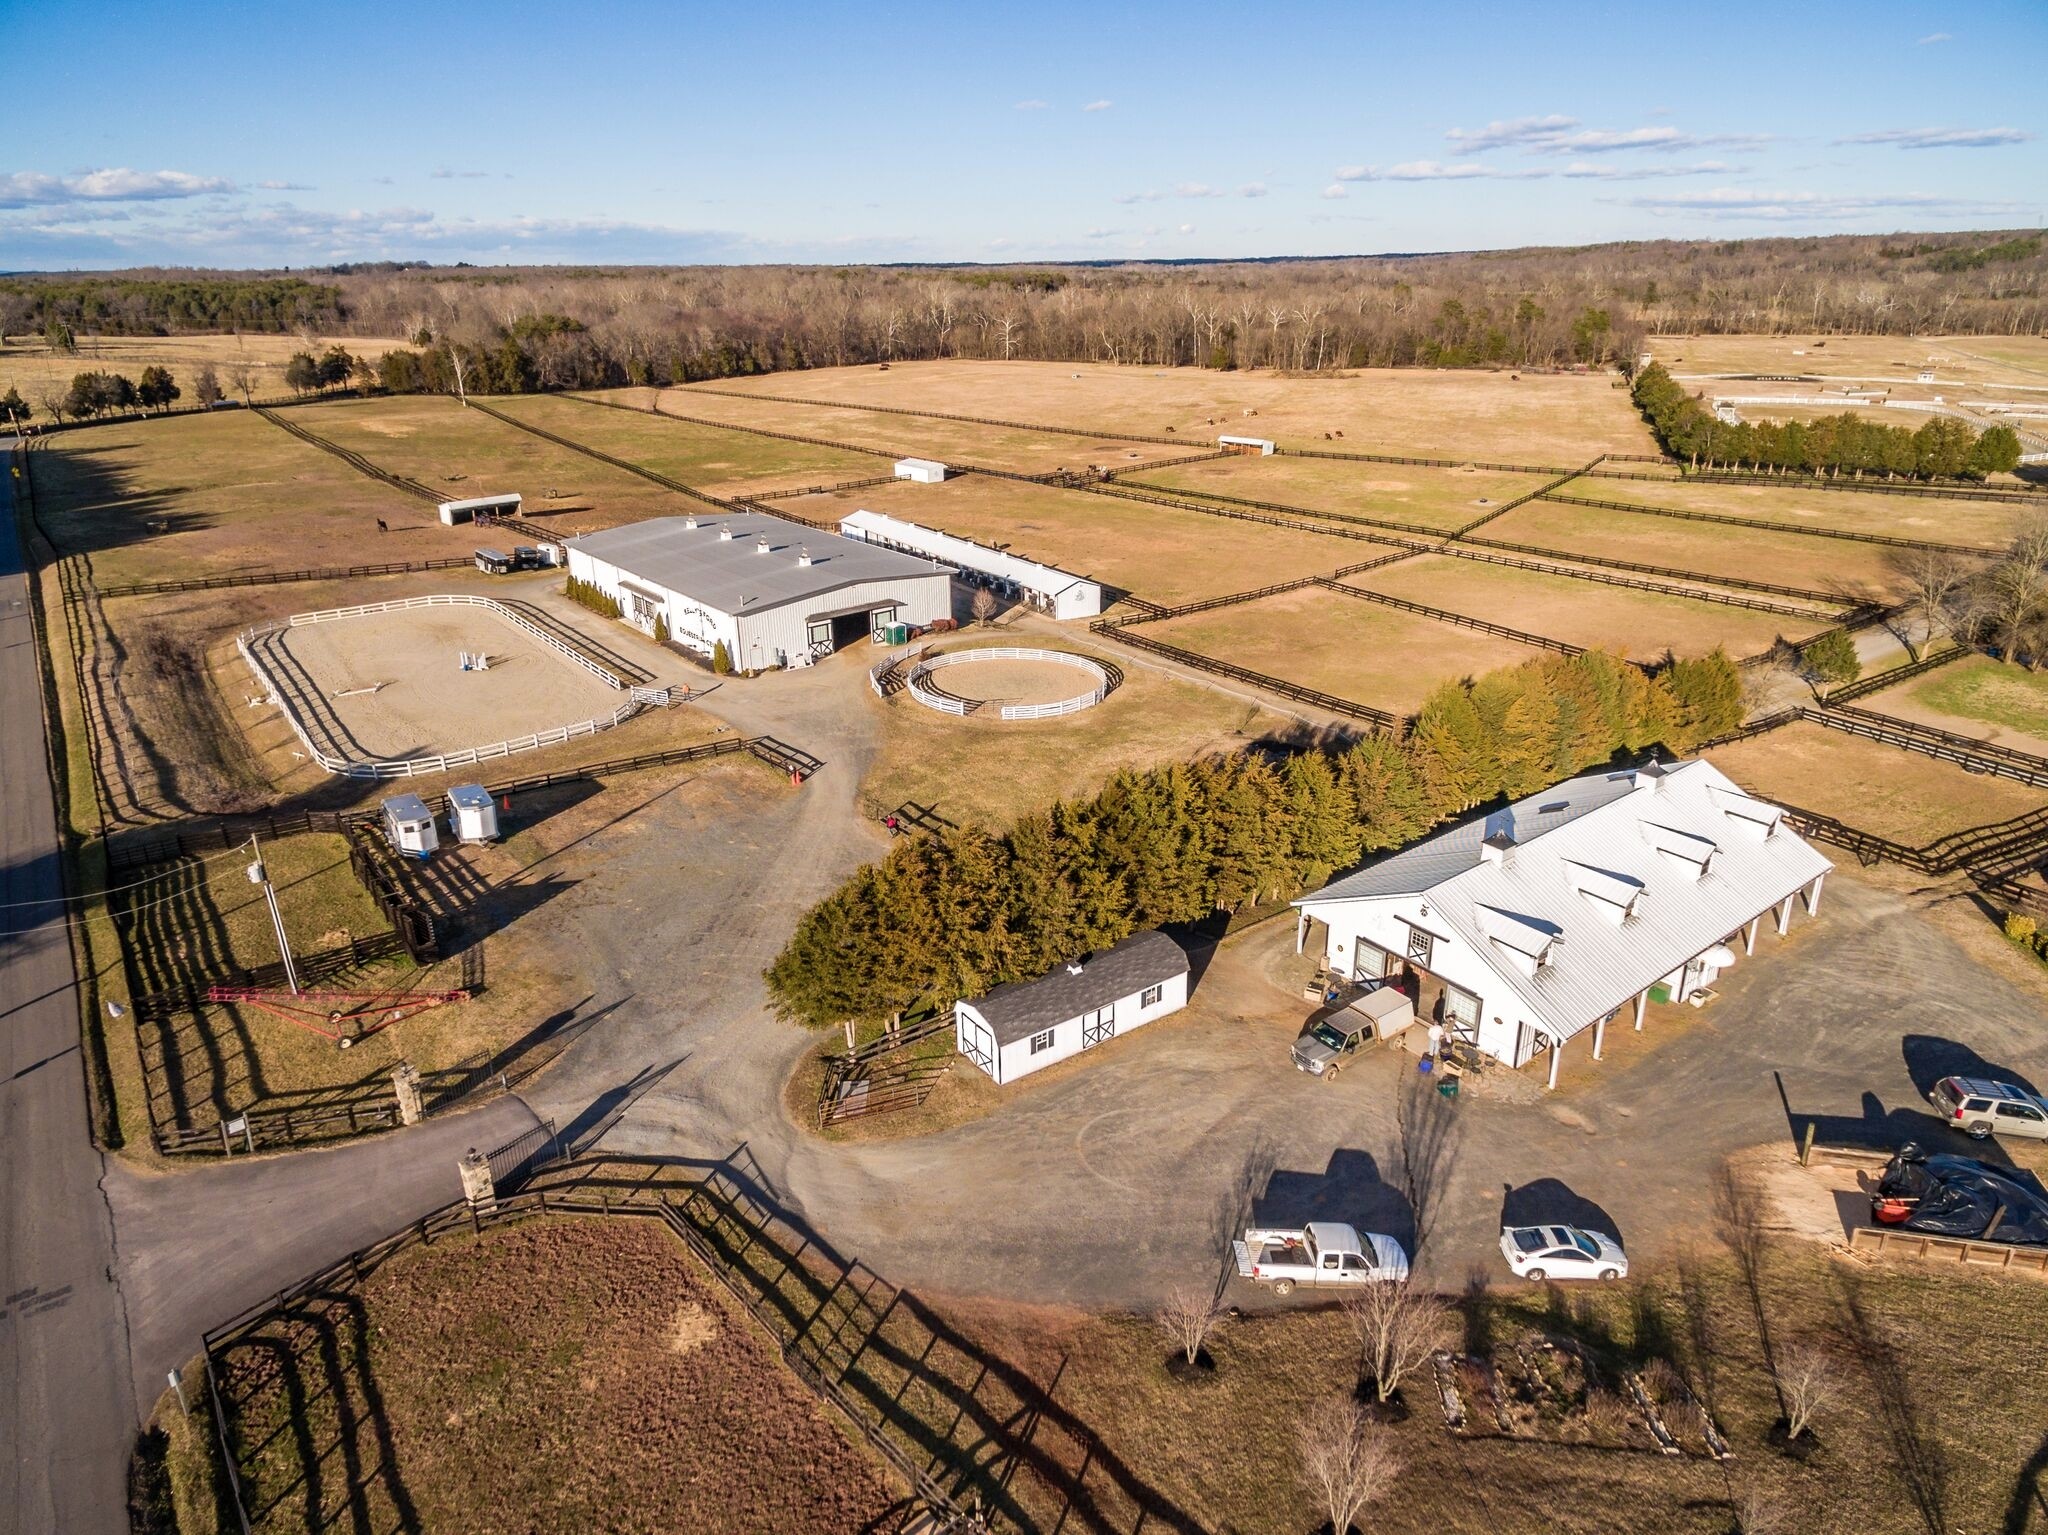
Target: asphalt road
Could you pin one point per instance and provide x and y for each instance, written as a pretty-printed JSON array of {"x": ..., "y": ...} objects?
[{"x": 67, "y": 1417}]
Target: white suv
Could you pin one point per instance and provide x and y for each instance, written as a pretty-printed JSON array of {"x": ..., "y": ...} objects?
[{"x": 1979, "y": 1107}]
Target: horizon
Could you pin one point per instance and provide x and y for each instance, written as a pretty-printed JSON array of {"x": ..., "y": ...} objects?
[{"x": 827, "y": 137}]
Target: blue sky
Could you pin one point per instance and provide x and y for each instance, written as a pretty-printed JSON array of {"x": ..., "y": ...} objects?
[{"x": 247, "y": 135}]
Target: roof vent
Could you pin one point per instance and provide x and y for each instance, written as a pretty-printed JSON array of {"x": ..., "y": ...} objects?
[
  {"x": 690, "y": 520},
  {"x": 761, "y": 544},
  {"x": 725, "y": 532},
  {"x": 803, "y": 556}
]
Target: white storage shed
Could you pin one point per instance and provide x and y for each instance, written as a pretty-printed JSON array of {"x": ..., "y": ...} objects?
[
  {"x": 1258, "y": 447},
  {"x": 453, "y": 512},
  {"x": 409, "y": 825},
  {"x": 472, "y": 813},
  {"x": 1047, "y": 588},
  {"x": 1028, "y": 1025},
  {"x": 925, "y": 471}
]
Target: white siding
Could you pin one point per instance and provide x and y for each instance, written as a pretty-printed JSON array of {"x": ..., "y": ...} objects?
[{"x": 1017, "y": 1059}]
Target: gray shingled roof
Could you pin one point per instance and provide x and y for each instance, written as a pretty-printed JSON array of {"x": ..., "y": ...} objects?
[
  {"x": 734, "y": 577},
  {"x": 1022, "y": 1008}
]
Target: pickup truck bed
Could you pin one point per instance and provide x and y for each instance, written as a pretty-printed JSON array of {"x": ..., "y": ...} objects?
[{"x": 1270, "y": 1249}]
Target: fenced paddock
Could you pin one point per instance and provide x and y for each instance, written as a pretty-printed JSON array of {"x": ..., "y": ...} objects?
[
  {"x": 1023, "y": 683},
  {"x": 379, "y": 690}
]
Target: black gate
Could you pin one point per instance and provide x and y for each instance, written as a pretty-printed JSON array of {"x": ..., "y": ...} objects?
[{"x": 513, "y": 1162}]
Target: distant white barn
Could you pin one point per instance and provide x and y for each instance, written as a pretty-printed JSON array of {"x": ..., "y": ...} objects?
[
  {"x": 469, "y": 510},
  {"x": 1045, "y": 587},
  {"x": 1257, "y": 447},
  {"x": 925, "y": 471}
]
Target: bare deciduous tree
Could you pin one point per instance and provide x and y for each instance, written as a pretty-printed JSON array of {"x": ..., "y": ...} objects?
[
  {"x": 1935, "y": 581},
  {"x": 1346, "y": 1461},
  {"x": 1758, "y": 1513},
  {"x": 1809, "y": 1383},
  {"x": 1398, "y": 1327},
  {"x": 984, "y": 605},
  {"x": 1188, "y": 1316}
]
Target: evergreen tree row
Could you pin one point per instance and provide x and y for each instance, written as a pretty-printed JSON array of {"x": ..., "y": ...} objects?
[
  {"x": 1941, "y": 448},
  {"x": 942, "y": 918}
]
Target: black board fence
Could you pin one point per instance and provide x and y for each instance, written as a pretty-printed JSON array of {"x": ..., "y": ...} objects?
[
  {"x": 1759, "y": 524},
  {"x": 353, "y": 459},
  {"x": 1123, "y": 634}
]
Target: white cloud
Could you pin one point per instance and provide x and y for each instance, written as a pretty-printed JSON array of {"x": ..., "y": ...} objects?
[
  {"x": 1513, "y": 131},
  {"x": 1736, "y": 202},
  {"x": 1187, "y": 229},
  {"x": 445, "y": 174},
  {"x": 1032, "y": 104},
  {"x": 1436, "y": 170},
  {"x": 1560, "y": 135},
  {"x": 1941, "y": 138},
  {"x": 1336, "y": 189},
  {"x": 1932, "y": 38},
  {"x": 1579, "y": 170},
  {"x": 1195, "y": 189},
  {"x": 1098, "y": 106},
  {"x": 22, "y": 189},
  {"x": 1192, "y": 189},
  {"x": 284, "y": 186},
  {"x": 1252, "y": 189}
]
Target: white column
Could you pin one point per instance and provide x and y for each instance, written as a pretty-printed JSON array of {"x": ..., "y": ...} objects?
[
  {"x": 1599, "y": 1035},
  {"x": 1749, "y": 934},
  {"x": 1813, "y": 896},
  {"x": 1300, "y": 929},
  {"x": 1642, "y": 1003},
  {"x": 1784, "y": 915},
  {"x": 1556, "y": 1050}
]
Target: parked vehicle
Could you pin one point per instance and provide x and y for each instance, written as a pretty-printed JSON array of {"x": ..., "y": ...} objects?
[
  {"x": 494, "y": 562},
  {"x": 1323, "y": 1254},
  {"x": 1326, "y": 1044},
  {"x": 1562, "y": 1252},
  {"x": 1980, "y": 1107}
]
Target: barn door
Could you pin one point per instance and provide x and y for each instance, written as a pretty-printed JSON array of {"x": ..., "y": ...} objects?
[{"x": 1098, "y": 1026}]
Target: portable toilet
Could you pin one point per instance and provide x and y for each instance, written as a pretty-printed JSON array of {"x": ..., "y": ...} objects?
[
  {"x": 472, "y": 813},
  {"x": 410, "y": 826}
]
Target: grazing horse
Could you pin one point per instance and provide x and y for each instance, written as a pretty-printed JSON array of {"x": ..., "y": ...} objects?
[{"x": 383, "y": 526}]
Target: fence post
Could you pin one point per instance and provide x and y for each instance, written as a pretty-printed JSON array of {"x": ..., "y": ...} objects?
[
  {"x": 478, "y": 1187},
  {"x": 1806, "y": 1144},
  {"x": 405, "y": 1081}
]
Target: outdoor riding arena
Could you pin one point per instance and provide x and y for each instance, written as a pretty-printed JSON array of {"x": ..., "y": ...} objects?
[{"x": 421, "y": 684}]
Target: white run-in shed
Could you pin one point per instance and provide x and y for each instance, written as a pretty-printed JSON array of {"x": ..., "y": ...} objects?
[
  {"x": 409, "y": 825},
  {"x": 453, "y": 512},
  {"x": 472, "y": 813},
  {"x": 1259, "y": 447},
  {"x": 925, "y": 471},
  {"x": 1027, "y": 1025},
  {"x": 1044, "y": 587}
]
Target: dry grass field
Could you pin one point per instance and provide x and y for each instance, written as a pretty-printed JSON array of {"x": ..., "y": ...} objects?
[
  {"x": 1977, "y": 696},
  {"x": 1161, "y": 554},
  {"x": 721, "y": 463},
  {"x": 30, "y": 366},
  {"x": 1539, "y": 419},
  {"x": 1435, "y": 498},
  {"x": 1884, "y": 789},
  {"x": 552, "y": 1375},
  {"x": 1854, "y": 571},
  {"x": 1939, "y": 519},
  {"x": 1639, "y": 625},
  {"x": 1957, "y": 359},
  {"x": 1357, "y": 650}
]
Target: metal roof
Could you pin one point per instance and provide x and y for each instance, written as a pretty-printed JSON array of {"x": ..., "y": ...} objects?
[
  {"x": 1631, "y": 875},
  {"x": 963, "y": 552},
  {"x": 1021, "y": 1008},
  {"x": 734, "y": 576},
  {"x": 478, "y": 503}
]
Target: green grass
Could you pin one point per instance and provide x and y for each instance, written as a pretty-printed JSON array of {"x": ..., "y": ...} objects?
[{"x": 1989, "y": 690}]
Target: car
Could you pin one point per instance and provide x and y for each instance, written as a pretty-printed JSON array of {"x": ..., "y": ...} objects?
[
  {"x": 1981, "y": 1107},
  {"x": 1562, "y": 1252}
]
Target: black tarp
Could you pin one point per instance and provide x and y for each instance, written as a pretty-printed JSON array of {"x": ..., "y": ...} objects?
[{"x": 1957, "y": 1196}]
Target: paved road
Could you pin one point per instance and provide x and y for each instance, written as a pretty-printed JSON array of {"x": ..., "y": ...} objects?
[{"x": 67, "y": 1418}]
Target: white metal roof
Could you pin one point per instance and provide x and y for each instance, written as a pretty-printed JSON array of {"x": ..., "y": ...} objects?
[
  {"x": 478, "y": 503},
  {"x": 955, "y": 550},
  {"x": 1614, "y": 880}
]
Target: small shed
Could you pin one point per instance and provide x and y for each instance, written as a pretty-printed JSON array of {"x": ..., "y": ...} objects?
[
  {"x": 1028, "y": 1025},
  {"x": 1257, "y": 447},
  {"x": 453, "y": 512},
  {"x": 472, "y": 813},
  {"x": 410, "y": 826},
  {"x": 926, "y": 471}
]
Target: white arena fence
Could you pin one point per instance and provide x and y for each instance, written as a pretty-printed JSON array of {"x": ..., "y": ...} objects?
[
  {"x": 945, "y": 704},
  {"x": 349, "y": 767}
]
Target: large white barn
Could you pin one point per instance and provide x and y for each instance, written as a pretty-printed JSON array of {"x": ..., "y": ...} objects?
[
  {"x": 1045, "y": 587},
  {"x": 773, "y": 591},
  {"x": 1521, "y": 930}
]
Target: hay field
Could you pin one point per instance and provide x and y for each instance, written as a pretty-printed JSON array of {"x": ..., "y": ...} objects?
[
  {"x": 1019, "y": 450},
  {"x": 30, "y": 366},
  {"x": 1537, "y": 419},
  {"x": 1436, "y": 498},
  {"x": 219, "y": 494},
  {"x": 721, "y": 463},
  {"x": 1638, "y": 625},
  {"x": 461, "y": 453},
  {"x": 1941, "y": 519},
  {"x": 419, "y": 702},
  {"x": 1712, "y": 549},
  {"x": 1358, "y": 650},
  {"x": 1884, "y": 789},
  {"x": 1165, "y": 555},
  {"x": 1957, "y": 359}
]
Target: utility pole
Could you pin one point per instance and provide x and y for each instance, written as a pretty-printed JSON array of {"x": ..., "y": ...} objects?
[{"x": 258, "y": 875}]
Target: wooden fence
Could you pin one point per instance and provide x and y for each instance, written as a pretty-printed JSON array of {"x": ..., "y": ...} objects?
[
  {"x": 1462, "y": 620},
  {"x": 1329, "y": 702},
  {"x": 1762, "y": 525},
  {"x": 281, "y": 577},
  {"x": 1877, "y": 682},
  {"x": 353, "y": 459}
]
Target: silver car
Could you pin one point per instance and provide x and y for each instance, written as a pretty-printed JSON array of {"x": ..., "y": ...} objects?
[{"x": 1980, "y": 1107}]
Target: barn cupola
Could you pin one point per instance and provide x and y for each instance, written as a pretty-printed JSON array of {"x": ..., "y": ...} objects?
[
  {"x": 761, "y": 544},
  {"x": 690, "y": 521},
  {"x": 1497, "y": 849},
  {"x": 803, "y": 557},
  {"x": 725, "y": 532}
]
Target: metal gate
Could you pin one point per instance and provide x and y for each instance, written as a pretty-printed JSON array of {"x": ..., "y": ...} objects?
[{"x": 513, "y": 1162}]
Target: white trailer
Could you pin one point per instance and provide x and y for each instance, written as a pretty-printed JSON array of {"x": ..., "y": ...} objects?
[
  {"x": 472, "y": 813},
  {"x": 409, "y": 825},
  {"x": 1322, "y": 1255},
  {"x": 1258, "y": 447}
]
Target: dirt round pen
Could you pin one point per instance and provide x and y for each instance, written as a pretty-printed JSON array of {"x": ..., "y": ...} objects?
[{"x": 1023, "y": 684}]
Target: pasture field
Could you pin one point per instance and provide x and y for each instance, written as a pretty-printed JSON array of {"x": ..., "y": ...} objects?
[
  {"x": 1638, "y": 625},
  {"x": 1164, "y": 555},
  {"x": 1884, "y": 789},
  {"x": 1710, "y": 549},
  {"x": 1358, "y": 650},
  {"x": 1435, "y": 498},
  {"x": 717, "y": 462},
  {"x": 1958, "y": 359},
  {"x": 28, "y": 364},
  {"x": 1977, "y": 696},
  {"x": 1562, "y": 419},
  {"x": 1938, "y": 519}
]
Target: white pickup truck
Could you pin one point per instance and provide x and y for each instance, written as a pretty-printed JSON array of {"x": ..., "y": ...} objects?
[{"x": 1321, "y": 1254}]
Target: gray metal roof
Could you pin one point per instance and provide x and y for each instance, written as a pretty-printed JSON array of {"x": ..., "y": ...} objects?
[
  {"x": 1022, "y": 1008},
  {"x": 735, "y": 576}
]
